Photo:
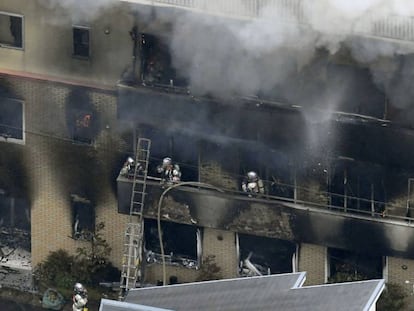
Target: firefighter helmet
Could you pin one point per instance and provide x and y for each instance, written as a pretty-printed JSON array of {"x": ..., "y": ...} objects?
[
  {"x": 130, "y": 160},
  {"x": 78, "y": 288},
  {"x": 252, "y": 176},
  {"x": 166, "y": 161}
]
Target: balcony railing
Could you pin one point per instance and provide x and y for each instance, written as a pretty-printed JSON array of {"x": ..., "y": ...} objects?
[
  {"x": 293, "y": 11},
  {"x": 319, "y": 199}
]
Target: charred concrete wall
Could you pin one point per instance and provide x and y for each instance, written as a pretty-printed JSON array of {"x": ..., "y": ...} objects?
[{"x": 57, "y": 165}]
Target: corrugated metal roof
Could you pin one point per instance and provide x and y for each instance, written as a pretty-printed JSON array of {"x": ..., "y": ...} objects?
[
  {"x": 274, "y": 292},
  {"x": 113, "y": 305}
]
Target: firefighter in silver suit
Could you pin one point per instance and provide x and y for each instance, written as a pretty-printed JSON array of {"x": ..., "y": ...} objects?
[
  {"x": 252, "y": 184},
  {"x": 79, "y": 298},
  {"x": 170, "y": 173}
]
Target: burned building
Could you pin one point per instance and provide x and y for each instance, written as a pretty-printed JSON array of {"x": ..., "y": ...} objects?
[{"x": 324, "y": 121}]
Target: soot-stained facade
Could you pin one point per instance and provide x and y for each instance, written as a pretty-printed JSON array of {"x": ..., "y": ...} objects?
[
  {"x": 335, "y": 176},
  {"x": 331, "y": 141}
]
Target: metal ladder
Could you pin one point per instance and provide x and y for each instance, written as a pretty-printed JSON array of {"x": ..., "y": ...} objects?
[{"x": 131, "y": 273}]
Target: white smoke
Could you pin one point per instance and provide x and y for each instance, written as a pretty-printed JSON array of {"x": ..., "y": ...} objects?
[
  {"x": 77, "y": 10},
  {"x": 222, "y": 56}
]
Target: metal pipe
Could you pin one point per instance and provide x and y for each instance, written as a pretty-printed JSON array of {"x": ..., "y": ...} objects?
[{"x": 185, "y": 183}]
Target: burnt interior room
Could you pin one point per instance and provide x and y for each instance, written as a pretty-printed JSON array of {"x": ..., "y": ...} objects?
[
  {"x": 11, "y": 118},
  {"x": 180, "y": 147},
  {"x": 181, "y": 242},
  {"x": 156, "y": 65},
  {"x": 14, "y": 212},
  {"x": 82, "y": 117},
  {"x": 269, "y": 256},
  {"x": 348, "y": 266},
  {"x": 357, "y": 186},
  {"x": 83, "y": 218},
  {"x": 273, "y": 166}
]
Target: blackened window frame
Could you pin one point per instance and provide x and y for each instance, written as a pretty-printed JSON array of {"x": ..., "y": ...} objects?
[
  {"x": 357, "y": 266},
  {"x": 3, "y": 135},
  {"x": 86, "y": 231},
  {"x": 14, "y": 46},
  {"x": 78, "y": 45},
  {"x": 171, "y": 257}
]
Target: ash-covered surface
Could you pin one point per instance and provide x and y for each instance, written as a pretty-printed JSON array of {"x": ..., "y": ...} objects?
[{"x": 15, "y": 259}]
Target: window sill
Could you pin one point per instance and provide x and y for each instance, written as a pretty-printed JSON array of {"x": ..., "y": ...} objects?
[
  {"x": 79, "y": 57},
  {"x": 12, "y": 47}
]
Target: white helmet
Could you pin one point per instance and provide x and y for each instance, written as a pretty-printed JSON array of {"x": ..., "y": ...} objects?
[
  {"x": 166, "y": 161},
  {"x": 130, "y": 160},
  {"x": 78, "y": 288},
  {"x": 252, "y": 175}
]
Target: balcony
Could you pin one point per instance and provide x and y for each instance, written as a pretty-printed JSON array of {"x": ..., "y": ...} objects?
[{"x": 371, "y": 230}]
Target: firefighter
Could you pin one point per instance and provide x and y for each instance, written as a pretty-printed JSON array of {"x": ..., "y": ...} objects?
[
  {"x": 129, "y": 167},
  {"x": 80, "y": 298},
  {"x": 170, "y": 173},
  {"x": 252, "y": 184}
]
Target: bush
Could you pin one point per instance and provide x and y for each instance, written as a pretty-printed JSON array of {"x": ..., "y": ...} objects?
[
  {"x": 209, "y": 270},
  {"x": 89, "y": 266},
  {"x": 393, "y": 298}
]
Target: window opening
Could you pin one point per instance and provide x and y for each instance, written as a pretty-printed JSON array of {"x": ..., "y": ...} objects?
[
  {"x": 260, "y": 255},
  {"x": 83, "y": 132},
  {"x": 182, "y": 243},
  {"x": 83, "y": 123},
  {"x": 156, "y": 66},
  {"x": 347, "y": 266},
  {"x": 358, "y": 187},
  {"x": 83, "y": 218},
  {"x": 180, "y": 147},
  {"x": 11, "y": 30},
  {"x": 11, "y": 120},
  {"x": 81, "y": 42}
]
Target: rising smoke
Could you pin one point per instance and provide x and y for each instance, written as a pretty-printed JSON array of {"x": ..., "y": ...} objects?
[
  {"x": 223, "y": 56},
  {"x": 277, "y": 54}
]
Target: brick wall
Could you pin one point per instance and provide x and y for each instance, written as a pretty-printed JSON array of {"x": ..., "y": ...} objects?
[
  {"x": 221, "y": 244},
  {"x": 209, "y": 170},
  {"x": 54, "y": 170},
  {"x": 312, "y": 259},
  {"x": 401, "y": 271}
]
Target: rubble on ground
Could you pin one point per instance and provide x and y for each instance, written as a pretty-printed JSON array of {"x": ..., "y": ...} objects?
[{"x": 15, "y": 259}]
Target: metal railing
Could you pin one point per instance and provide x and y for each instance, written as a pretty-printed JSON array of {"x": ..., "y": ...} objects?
[
  {"x": 292, "y": 11},
  {"x": 319, "y": 199}
]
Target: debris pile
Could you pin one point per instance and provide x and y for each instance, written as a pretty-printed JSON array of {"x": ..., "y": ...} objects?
[{"x": 15, "y": 259}]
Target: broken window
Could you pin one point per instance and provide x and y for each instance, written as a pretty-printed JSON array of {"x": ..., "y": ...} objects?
[
  {"x": 182, "y": 243},
  {"x": 83, "y": 221},
  {"x": 350, "y": 266},
  {"x": 81, "y": 42},
  {"x": 11, "y": 30},
  {"x": 11, "y": 120},
  {"x": 156, "y": 67},
  {"x": 262, "y": 256}
]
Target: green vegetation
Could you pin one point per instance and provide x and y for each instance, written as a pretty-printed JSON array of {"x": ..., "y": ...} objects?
[
  {"x": 393, "y": 298},
  {"x": 89, "y": 266},
  {"x": 209, "y": 270}
]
